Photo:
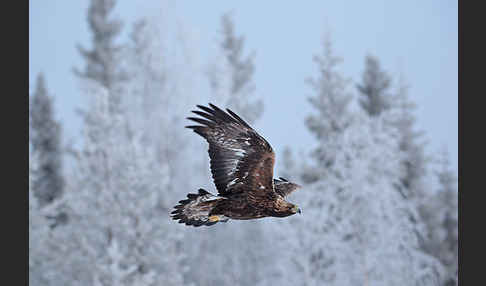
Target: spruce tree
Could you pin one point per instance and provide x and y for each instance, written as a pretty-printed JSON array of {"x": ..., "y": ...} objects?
[
  {"x": 374, "y": 89},
  {"x": 353, "y": 217},
  {"x": 440, "y": 212},
  {"x": 330, "y": 102},
  {"x": 411, "y": 143},
  {"x": 45, "y": 137},
  {"x": 413, "y": 185},
  {"x": 103, "y": 59},
  {"x": 233, "y": 81},
  {"x": 120, "y": 184}
]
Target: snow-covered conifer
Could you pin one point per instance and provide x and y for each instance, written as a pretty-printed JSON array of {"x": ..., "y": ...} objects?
[
  {"x": 374, "y": 89},
  {"x": 231, "y": 78},
  {"x": 332, "y": 116},
  {"x": 440, "y": 212},
  {"x": 45, "y": 137},
  {"x": 355, "y": 228},
  {"x": 103, "y": 59}
]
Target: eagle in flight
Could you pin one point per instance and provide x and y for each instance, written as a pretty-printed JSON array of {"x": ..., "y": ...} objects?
[{"x": 242, "y": 169}]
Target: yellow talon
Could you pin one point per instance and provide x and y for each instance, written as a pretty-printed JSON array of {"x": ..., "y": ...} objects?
[{"x": 213, "y": 218}]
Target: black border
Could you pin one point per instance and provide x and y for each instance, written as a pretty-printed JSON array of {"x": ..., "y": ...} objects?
[{"x": 15, "y": 229}]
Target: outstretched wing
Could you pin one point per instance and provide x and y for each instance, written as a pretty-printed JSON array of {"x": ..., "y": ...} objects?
[{"x": 241, "y": 160}]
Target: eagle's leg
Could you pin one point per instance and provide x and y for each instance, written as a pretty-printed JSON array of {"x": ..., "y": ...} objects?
[{"x": 216, "y": 218}]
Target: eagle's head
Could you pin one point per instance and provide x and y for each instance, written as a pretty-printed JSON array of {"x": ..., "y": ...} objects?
[
  {"x": 283, "y": 188},
  {"x": 296, "y": 209},
  {"x": 284, "y": 208}
]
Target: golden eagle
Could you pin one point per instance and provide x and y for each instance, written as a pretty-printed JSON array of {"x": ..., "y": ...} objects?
[{"x": 242, "y": 168}]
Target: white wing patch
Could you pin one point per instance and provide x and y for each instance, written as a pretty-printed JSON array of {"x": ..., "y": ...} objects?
[
  {"x": 238, "y": 153},
  {"x": 232, "y": 182}
]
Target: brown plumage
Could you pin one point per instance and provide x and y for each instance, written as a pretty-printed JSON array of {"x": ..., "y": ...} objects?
[{"x": 242, "y": 169}]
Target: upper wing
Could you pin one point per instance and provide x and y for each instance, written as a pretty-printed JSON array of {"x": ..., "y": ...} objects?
[{"x": 241, "y": 160}]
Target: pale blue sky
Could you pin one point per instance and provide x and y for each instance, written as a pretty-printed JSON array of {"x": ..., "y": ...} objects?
[{"x": 419, "y": 38}]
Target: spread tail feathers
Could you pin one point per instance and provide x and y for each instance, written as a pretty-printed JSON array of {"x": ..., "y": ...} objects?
[{"x": 196, "y": 208}]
